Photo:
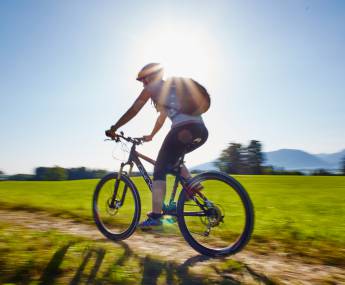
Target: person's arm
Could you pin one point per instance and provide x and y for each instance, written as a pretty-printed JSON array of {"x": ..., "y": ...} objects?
[
  {"x": 158, "y": 125},
  {"x": 132, "y": 111}
]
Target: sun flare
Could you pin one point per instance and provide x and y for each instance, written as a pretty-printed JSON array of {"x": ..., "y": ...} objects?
[{"x": 183, "y": 51}]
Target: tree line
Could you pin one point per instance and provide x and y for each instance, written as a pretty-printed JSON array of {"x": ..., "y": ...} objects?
[
  {"x": 240, "y": 159},
  {"x": 57, "y": 173},
  {"x": 234, "y": 159}
]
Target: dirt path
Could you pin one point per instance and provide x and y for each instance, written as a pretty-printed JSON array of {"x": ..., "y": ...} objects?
[{"x": 271, "y": 268}]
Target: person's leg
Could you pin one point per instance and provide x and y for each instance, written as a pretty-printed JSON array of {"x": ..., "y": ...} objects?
[
  {"x": 159, "y": 176},
  {"x": 158, "y": 195},
  {"x": 153, "y": 218},
  {"x": 172, "y": 148},
  {"x": 193, "y": 139},
  {"x": 185, "y": 139},
  {"x": 185, "y": 172},
  {"x": 158, "y": 187}
]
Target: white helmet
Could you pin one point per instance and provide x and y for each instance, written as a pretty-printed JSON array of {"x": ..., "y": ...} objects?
[{"x": 149, "y": 69}]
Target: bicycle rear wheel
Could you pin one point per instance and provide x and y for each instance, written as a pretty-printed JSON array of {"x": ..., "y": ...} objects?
[
  {"x": 116, "y": 217},
  {"x": 219, "y": 223}
]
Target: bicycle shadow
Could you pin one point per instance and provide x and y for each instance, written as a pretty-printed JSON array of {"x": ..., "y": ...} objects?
[
  {"x": 224, "y": 274},
  {"x": 179, "y": 273},
  {"x": 95, "y": 267},
  {"x": 54, "y": 264}
]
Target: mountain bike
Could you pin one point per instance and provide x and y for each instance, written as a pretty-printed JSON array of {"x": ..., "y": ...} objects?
[{"x": 214, "y": 212}]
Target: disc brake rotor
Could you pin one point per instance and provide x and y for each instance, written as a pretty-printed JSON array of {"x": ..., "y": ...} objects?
[
  {"x": 215, "y": 218},
  {"x": 111, "y": 210}
]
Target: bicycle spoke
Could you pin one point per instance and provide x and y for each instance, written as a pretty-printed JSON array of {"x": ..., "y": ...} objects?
[
  {"x": 117, "y": 216},
  {"x": 216, "y": 221}
]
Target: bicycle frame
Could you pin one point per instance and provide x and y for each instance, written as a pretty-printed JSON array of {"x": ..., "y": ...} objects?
[
  {"x": 192, "y": 202},
  {"x": 134, "y": 158}
]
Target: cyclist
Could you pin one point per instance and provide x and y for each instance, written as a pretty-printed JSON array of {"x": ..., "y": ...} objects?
[{"x": 186, "y": 134}]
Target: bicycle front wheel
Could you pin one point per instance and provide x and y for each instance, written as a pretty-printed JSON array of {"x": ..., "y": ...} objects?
[
  {"x": 221, "y": 220},
  {"x": 116, "y": 207}
]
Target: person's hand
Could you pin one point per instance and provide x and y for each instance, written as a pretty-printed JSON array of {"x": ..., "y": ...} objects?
[
  {"x": 147, "y": 138},
  {"x": 110, "y": 133}
]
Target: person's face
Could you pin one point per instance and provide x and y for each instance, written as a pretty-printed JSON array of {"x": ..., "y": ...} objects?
[{"x": 146, "y": 81}]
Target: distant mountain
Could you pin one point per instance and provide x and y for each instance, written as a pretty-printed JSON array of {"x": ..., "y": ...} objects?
[
  {"x": 205, "y": 166},
  {"x": 332, "y": 158},
  {"x": 295, "y": 159},
  {"x": 292, "y": 159}
]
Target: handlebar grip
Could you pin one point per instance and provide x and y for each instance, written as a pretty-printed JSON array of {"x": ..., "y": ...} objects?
[
  {"x": 108, "y": 133},
  {"x": 116, "y": 137},
  {"x": 111, "y": 135}
]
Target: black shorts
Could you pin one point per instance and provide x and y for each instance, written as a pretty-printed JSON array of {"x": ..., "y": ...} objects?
[{"x": 180, "y": 140}]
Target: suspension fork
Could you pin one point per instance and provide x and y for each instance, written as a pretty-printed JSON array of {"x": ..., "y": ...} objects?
[
  {"x": 117, "y": 183},
  {"x": 126, "y": 186}
]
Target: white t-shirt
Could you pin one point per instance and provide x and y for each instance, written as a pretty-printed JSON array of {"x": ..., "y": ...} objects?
[{"x": 171, "y": 105}]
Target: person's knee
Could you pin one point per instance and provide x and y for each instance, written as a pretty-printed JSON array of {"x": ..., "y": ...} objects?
[
  {"x": 159, "y": 184},
  {"x": 159, "y": 174}
]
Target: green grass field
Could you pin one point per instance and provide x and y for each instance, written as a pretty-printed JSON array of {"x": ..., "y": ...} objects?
[
  {"x": 294, "y": 210},
  {"x": 43, "y": 258},
  {"x": 299, "y": 216}
]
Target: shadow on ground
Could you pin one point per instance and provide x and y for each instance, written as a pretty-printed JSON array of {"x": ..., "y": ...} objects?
[{"x": 83, "y": 263}]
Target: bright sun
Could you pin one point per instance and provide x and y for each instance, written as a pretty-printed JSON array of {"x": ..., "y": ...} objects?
[{"x": 183, "y": 51}]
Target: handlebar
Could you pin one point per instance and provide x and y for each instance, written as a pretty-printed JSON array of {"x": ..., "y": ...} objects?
[{"x": 118, "y": 137}]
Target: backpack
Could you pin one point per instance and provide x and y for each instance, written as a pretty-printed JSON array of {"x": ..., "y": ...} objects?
[{"x": 192, "y": 98}]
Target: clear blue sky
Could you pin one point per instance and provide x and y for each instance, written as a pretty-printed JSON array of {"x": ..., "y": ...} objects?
[{"x": 275, "y": 70}]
